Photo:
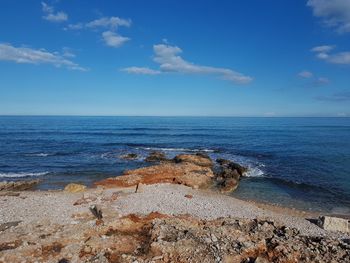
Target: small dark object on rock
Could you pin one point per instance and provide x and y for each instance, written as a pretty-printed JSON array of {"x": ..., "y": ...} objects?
[
  {"x": 137, "y": 188},
  {"x": 96, "y": 211},
  {"x": 189, "y": 196},
  {"x": 63, "y": 260}
]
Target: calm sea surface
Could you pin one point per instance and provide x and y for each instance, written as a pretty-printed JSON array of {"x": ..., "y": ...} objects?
[{"x": 298, "y": 162}]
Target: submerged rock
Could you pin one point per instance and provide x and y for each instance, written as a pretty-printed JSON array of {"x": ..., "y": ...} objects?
[
  {"x": 232, "y": 166},
  {"x": 129, "y": 156},
  {"x": 18, "y": 185},
  {"x": 74, "y": 188},
  {"x": 156, "y": 157}
]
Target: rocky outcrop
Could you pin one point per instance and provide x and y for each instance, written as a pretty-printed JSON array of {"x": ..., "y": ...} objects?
[
  {"x": 74, "y": 188},
  {"x": 228, "y": 174},
  {"x": 197, "y": 159},
  {"x": 186, "y": 173},
  {"x": 156, "y": 157},
  {"x": 129, "y": 156},
  {"x": 333, "y": 224},
  {"x": 163, "y": 239},
  {"x": 18, "y": 185}
]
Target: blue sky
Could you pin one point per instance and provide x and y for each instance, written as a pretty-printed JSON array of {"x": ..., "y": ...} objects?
[{"x": 167, "y": 57}]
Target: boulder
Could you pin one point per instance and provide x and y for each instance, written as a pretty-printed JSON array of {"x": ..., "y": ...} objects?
[
  {"x": 129, "y": 156},
  {"x": 229, "y": 185},
  {"x": 156, "y": 157},
  {"x": 18, "y": 185},
  {"x": 232, "y": 166},
  {"x": 199, "y": 159},
  {"x": 333, "y": 224},
  {"x": 74, "y": 188}
]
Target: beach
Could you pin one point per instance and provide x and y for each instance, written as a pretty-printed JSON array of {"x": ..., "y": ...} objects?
[{"x": 174, "y": 218}]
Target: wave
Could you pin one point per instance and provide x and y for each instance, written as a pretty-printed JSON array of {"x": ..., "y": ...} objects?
[
  {"x": 254, "y": 172},
  {"x": 21, "y": 174},
  {"x": 39, "y": 154}
]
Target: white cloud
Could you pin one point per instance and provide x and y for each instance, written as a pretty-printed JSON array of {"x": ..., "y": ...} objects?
[
  {"x": 322, "y": 49},
  {"x": 108, "y": 22},
  {"x": 113, "y": 39},
  {"x": 25, "y": 55},
  {"x": 321, "y": 81},
  {"x": 50, "y": 14},
  {"x": 305, "y": 74},
  {"x": 141, "y": 70},
  {"x": 334, "y": 13},
  {"x": 323, "y": 53},
  {"x": 169, "y": 60}
]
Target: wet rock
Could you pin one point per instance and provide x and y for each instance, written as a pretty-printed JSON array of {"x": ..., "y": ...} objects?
[
  {"x": 18, "y": 185},
  {"x": 199, "y": 159},
  {"x": 232, "y": 166},
  {"x": 74, "y": 188},
  {"x": 228, "y": 174},
  {"x": 229, "y": 185},
  {"x": 129, "y": 156},
  {"x": 156, "y": 156},
  {"x": 333, "y": 224}
]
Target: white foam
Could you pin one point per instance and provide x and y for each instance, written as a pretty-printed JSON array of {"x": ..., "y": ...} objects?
[
  {"x": 38, "y": 154},
  {"x": 22, "y": 174},
  {"x": 254, "y": 172}
]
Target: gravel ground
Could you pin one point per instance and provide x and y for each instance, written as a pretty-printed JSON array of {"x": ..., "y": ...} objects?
[
  {"x": 170, "y": 199},
  {"x": 57, "y": 206}
]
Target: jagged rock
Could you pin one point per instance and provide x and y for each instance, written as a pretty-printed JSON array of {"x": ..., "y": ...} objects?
[
  {"x": 185, "y": 173},
  {"x": 197, "y": 159},
  {"x": 156, "y": 157},
  {"x": 333, "y": 224},
  {"x": 18, "y": 185},
  {"x": 74, "y": 188},
  {"x": 232, "y": 166},
  {"x": 229, "y": 185},
  {"x": 129, "y": 156}
]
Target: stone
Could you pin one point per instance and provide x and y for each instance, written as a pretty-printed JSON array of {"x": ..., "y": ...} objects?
[
  {"x": 232, "y": 166},
  {"x": 74, "y": 188},
  {"x": 197, "y": 159},
  {"x": 18, "y": 185},
  {"x": 333, "y": 224},
  {"x": 156, "y": 157},
  {"x": 229, "y": 185}
]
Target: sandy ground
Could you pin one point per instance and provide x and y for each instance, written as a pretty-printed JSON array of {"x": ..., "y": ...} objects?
[{"x": 58, "y": 206}]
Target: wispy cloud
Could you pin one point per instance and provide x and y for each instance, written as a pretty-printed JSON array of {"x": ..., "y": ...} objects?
[
  {"x": 141, "y": 70},
  {"x": 334, "y": 13},
  {"x": 111, "y": 37},
  {"x": 323, "y": 53},
  {"x": 305, "y": 74},
  {"x": 169, "y": 60},
  {"x": 25, "y": 55},
  {"x": 343, "y": 96},
  {"x": 51, "y": 15}
]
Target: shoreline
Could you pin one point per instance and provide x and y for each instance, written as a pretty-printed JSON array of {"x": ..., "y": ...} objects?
[{"x": 166, "y": 212}]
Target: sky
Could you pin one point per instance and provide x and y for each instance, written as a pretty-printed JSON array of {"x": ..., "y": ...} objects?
[{"x": 175, "y": 57}]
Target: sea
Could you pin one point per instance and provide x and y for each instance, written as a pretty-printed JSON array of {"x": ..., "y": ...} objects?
[{"x": 302, "y": 163}]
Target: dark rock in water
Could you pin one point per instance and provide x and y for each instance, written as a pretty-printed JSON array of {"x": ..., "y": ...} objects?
[
  {"x": 18, "y": 185},
  {"x": 229, "y": 185},
  {"x": 156, "y": 157},
  {"x": 233, "y": 166},
  {"x": 227, "y": 175},
  {"x": 129, "y": 156}
]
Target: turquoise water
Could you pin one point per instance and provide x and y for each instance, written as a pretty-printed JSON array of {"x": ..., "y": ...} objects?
[{"x": 299, "y": 162}]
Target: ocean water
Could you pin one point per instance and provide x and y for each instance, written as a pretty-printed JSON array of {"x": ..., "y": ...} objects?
[{"x": 296, "y": 162}]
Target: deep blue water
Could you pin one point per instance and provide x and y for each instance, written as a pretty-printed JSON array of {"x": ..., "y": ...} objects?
[{"x": 299, "y": 162}]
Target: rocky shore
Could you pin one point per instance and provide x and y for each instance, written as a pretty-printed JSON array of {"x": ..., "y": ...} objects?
[{"x": 171, "y": 211}]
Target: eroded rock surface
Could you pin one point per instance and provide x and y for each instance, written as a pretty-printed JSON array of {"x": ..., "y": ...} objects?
[{"x": 18, "y": 185}]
